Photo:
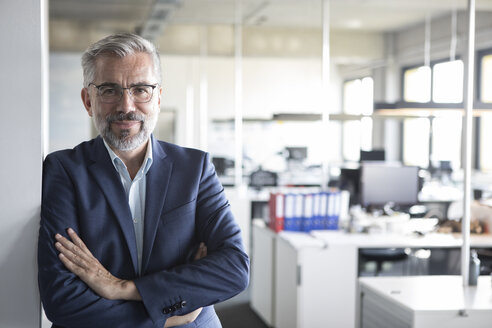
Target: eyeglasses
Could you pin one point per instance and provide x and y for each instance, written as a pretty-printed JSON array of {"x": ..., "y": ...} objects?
[{"x": 111, "y": 93}]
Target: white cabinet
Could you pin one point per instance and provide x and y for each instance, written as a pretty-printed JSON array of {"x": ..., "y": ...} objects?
[
  {"x": 262, "y": 273},
  {"x": 301, "y": 289},
  {"x": 425, "y": 302}
]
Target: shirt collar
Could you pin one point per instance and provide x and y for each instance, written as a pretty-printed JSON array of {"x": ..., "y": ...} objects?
[{"x": 147, "y": 160}]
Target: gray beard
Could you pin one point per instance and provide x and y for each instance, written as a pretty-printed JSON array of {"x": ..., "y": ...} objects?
[{"x": 124, "y": 142}]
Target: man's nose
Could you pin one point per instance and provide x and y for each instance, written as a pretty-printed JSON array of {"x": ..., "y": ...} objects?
[{"x": 127, "y": 104}]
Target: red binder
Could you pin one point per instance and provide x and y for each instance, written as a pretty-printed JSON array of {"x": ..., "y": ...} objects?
[{"x": 276, "y": 207}]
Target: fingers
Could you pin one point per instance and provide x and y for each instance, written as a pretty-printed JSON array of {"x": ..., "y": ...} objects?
[
  {"x": 70, "y": 250},
  {"x": 201, "y": 252},
  {"x": 77, "y": 241},
  {"x": 74, "y": 254},
  {"x": 179, "y": 320}
]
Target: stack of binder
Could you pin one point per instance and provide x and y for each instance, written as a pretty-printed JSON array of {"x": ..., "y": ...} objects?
[{"x": 301, "y": 210}]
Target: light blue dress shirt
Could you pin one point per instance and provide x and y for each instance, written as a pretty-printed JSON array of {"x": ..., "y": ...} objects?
[{"x": 135, "y": 193}]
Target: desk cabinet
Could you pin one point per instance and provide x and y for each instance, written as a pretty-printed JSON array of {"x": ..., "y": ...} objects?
[
  {"x": 425, "y": 302},
  {"x": 302, "y": 290},
  {"x": 262, "y": 273},
  {"x": 311, "y": 280}
]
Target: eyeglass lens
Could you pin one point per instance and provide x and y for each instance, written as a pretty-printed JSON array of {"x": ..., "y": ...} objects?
[{"x": 114, "y": 93}]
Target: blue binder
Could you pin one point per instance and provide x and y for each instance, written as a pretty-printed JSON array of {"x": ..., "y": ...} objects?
[
  {"x": 307, "y": 218},
  {"x": 289, "y": 219}
]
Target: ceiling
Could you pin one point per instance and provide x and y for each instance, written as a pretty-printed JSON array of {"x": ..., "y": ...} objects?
[{"x": 92, "y": 18}]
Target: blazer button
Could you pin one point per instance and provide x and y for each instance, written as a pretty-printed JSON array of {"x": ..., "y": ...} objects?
[
  {"x": 166, "y": 310},
  {"x": 182, "y": 304}
]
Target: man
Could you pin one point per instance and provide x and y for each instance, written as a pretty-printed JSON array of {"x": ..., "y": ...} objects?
[{"x": 125, "y": 218}]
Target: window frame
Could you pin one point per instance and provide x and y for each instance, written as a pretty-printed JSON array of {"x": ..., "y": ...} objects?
[
  {"x": 431, "y": 103},
  {"x": 360, "y": 116}
]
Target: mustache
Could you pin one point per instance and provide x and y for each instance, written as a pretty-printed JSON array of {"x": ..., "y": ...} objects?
[{"x": 131, "y": 116}]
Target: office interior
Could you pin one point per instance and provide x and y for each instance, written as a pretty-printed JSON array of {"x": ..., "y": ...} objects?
[{"x": 364, "y": 97}]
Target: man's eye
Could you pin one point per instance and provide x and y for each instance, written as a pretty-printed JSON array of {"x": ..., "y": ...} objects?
[
  {"x": 139, "y": 90},
  {"x": 107, "y": 91}
]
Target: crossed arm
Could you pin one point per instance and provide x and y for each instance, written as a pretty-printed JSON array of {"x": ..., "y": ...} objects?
[
  {"x": 75, "y": 302},
  {"x": 79, "y": 260}
]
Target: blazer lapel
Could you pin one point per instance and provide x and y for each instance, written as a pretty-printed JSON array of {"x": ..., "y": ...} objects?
[
  {"x": 109, "y": 182},
  {"x": 156, "y": 189}
]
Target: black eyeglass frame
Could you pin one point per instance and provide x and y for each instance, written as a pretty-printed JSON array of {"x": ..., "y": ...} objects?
[{"x": 153, "y": 86}]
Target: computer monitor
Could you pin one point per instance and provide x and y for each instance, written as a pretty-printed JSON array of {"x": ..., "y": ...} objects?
[
  {"x": 350, "y": 180},
  {"x": 383, "y": 183},
  {"x": 372, "y": 155},
  {"x": 221, "y": 164},
  {"x": 296, "y": 153}
]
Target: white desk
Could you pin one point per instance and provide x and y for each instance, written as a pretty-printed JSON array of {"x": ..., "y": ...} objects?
[
  {"x": 345, "y": 271},
  {"x": 425, "y": 302},
  {"x": 320, "y": 271}
]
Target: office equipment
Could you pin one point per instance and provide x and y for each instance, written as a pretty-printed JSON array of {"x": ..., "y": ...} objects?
[
  {"x": 383, "y": 183},
  {"x": 221, "y": 164},
  {"x": 261, "y": 178},
  {"x": 296, "y": 153},
  {"x": 350, "y": 181},
  {"x": 372, "y": 155}
]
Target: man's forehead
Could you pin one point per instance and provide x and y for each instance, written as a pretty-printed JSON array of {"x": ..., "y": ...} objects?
[
  {"x": 140, "y": 58},
  {"x": 139, "y": 64}
]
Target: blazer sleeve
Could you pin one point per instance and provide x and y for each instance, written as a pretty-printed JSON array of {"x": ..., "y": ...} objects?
[
  {"x": 67, "y": 300},
  {"x": 223, "y": 273}
]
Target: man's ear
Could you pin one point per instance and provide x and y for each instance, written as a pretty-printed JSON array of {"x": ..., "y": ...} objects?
[
  {"x": 86, "y": 100},
  {"x": 160, "y": 95}
]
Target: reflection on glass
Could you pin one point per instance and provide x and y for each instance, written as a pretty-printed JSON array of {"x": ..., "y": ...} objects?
[
  {"x": 358, "y": 96},
  {"x": 351, "y": 140},
  {"x": 417, "y": 84},
  {"x": 485, "y": 137},
  {"x": 446, "y": 139},
  {"x": 366, "y": 134},
  {"x": 447, "y": 82},
  {"x": 486, "y": 80},
  {"x": 416, "y": 141},
  {"x": 357, "y": 100}
]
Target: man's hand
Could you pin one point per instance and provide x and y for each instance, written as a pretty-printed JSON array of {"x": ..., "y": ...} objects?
[
  {"x": 201, "y": 252},
  {"x": 179, "y": 320},
  {"x": 79, "y": 260}
]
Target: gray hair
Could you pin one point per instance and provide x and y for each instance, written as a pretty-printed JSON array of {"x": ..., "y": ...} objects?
[{"x": 121, "y": 45}]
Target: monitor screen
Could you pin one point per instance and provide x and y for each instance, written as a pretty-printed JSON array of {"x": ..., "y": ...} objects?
[
  {"x": 383, "y": 183},
  {"x": 372, "y": 155},
  {"x": 350, "y": 181},
  {"x": 296, "y": 153}
]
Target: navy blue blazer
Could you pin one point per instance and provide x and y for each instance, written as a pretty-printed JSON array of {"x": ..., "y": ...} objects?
[{"x": 185, "y": 205}]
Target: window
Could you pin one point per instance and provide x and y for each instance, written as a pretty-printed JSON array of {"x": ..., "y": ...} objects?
[
  {"x": 446, "y": 138},
  {"x": 417, "y": 84},
  {"x": 447, "y": 82},
  {"x": 485, "y": 136},
  {"x": 357, "y": 100},
  {"x": 435, "y": 86},
  {"x": 416, "y": 133},
  {"x": 439, "y": 84},
  {"x": 485, "y": 97},
  {"x": 486, "y": 78}
]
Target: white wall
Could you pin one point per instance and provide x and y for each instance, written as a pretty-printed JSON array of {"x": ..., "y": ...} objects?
[
  {"x": 69, "y": 122},
  {"x": 21, "y": 104}
]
